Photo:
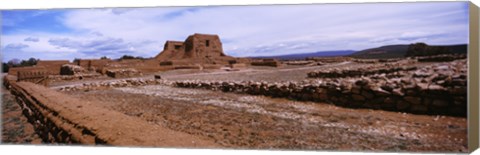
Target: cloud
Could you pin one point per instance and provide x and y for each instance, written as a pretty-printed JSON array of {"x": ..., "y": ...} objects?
[
  {"x": 99, "y": 46},
  {"x": 15, "y": 47},
  {"x": 31, "y": 39}
]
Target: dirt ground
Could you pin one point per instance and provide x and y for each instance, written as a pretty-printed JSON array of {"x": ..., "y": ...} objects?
[{"x": 15, "y": 127}]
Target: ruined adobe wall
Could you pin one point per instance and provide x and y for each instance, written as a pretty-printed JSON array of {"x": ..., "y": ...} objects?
[
  {"x": 14, "y": 70},
  {"x": 59, "y": 118},
  {"x": 171, "y": 50},
  {"x": 34, "y": 76},
  {"x": 52, "y": 66},
  {"x": 201, "y": 46},
  {"x": 97, "y": 63}
]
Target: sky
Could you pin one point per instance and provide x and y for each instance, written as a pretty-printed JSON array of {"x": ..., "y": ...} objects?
[{"x": 262, "y": 30}]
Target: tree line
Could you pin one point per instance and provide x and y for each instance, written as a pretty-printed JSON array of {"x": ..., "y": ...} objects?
[{"x": 18, "y": 63}]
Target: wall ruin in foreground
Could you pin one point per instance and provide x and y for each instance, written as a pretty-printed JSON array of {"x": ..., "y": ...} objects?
[{"x": 59, "y": 118}]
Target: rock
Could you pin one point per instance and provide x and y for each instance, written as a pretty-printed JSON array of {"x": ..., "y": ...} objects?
[
  {"x": 422, "y": 86},
  {"x": 387, "y": 87},
  {"x": 413, "y": 100},
  {"x": 362, "y": 82},
  {"x": 434, "y": 87},
  {"x": 418, "y": 108},
  {"x": 457, "y": 90},
  {"x": 357, "y": 97},
  {"x": 427, "y": 101},
  {"x": 398, "y": 92},
  {"x": 356, "y": 90},
  {"x": 367, "y": 94},
  {"x": 389, "y": 100},
  {"x": 381, "y": 92},
  {"x": 440, "y": 103},
  {"x": 402, "y": 105}
]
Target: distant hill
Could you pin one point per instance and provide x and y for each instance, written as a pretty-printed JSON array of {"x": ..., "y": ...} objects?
[
  {"x": 390, "y": 51},
  {"x": 399, "y": 51},
  {"x": 314, "y": 54}
]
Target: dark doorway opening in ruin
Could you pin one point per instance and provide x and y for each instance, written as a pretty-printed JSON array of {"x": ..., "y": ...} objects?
[
  {"x": 207, "y": 43},
  {"x": 177, "y": 47}
]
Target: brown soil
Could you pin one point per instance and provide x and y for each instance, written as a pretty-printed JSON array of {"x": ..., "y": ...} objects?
[
  {"x": 15, "y": 126},
  {"x": 244, "y": 121}
]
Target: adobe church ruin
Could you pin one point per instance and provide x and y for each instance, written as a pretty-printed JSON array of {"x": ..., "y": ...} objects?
[{"x": 196, "y": 49}]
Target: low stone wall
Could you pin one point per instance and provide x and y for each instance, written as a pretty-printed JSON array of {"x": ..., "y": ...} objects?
[
  {"x": 114, "y": 84},
  {"x": 358, "y": 72},
  {"x": 413, "y": 98},
  {"x": 48, "y": 125},
  {"x": 442, "y": 58},
  {"x": 438, "y": 90}
]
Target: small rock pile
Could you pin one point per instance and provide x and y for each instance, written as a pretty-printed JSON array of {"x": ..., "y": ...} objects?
[{"x": 69, "y": 69}]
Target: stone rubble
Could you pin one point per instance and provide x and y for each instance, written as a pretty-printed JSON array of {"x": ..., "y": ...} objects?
[
  {"x": 116, "y": 83},
  {"x": 69, "y": 69}
]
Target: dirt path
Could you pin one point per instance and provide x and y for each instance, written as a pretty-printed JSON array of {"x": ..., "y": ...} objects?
[
  {"x": 244, "y": 121},
  {"x": 15, "y": 126}
]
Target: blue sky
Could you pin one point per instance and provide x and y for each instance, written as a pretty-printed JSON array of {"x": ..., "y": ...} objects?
[{"x": 244, "y": 30}]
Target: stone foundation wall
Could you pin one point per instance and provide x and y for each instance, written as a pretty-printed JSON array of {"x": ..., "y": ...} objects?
[
  {"x": 441, "y": 58},
  {"x": 438, "y": 90},
  {"x": 358, "y": 72}
]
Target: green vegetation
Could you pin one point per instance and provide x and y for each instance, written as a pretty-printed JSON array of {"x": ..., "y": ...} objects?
[{"x": 18, "y": 63}]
